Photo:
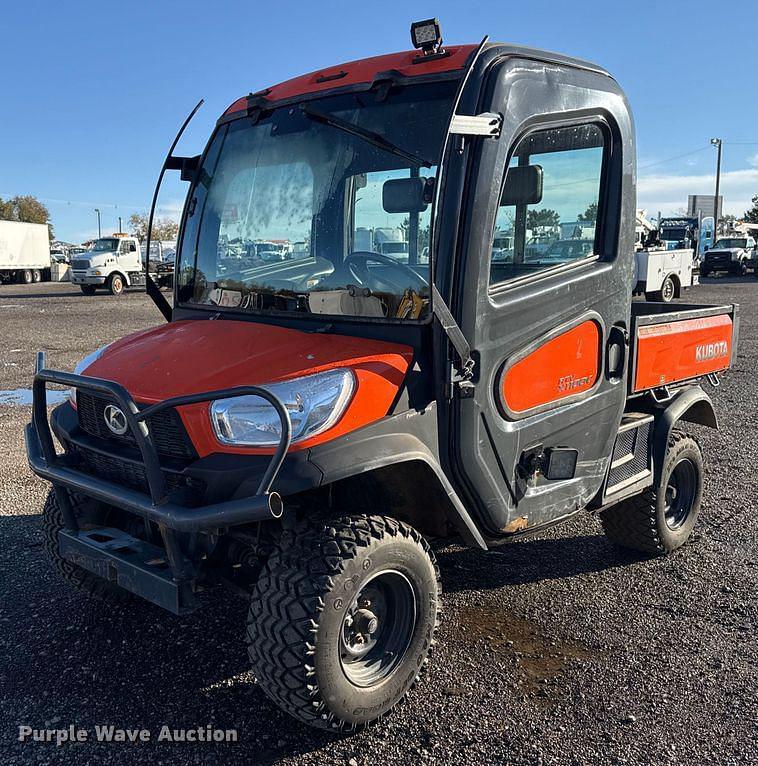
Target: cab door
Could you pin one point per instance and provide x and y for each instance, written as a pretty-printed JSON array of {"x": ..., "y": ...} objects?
[{"x": 547, "y": 316}]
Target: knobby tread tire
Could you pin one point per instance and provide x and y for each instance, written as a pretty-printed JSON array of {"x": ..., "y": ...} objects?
[
  {"x": 633, "y": 522},
  {"x": 96, "y": 587},
  {"x": 283, "y": 621}
]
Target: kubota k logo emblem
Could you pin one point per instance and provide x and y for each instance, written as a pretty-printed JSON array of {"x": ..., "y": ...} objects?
[{"x": 115, "y": 419}]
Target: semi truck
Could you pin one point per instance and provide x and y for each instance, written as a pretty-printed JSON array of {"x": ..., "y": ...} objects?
[
  {"x": 113, "y": 263},
  {"x": 310, "y": 430},
  {"x": 24, "y": 252}
]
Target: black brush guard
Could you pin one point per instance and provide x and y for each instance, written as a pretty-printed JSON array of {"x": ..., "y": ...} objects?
[{"x": 133, "y": 564}]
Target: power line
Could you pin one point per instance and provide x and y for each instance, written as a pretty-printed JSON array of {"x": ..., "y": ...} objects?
[{"x": 671, "y": 159}]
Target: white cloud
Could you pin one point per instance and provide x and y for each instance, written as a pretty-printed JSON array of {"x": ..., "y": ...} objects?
[
  {"x": 668, "y": 193},
  {"x": 753, "y": 160}
]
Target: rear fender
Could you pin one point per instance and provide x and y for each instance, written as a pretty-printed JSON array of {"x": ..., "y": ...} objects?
[{"x": 692, "y": 405}]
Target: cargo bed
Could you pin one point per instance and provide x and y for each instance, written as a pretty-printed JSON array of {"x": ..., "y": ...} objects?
[{"x": 674, "y": 344}]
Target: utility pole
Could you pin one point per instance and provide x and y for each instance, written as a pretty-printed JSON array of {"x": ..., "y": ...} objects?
[
  {"x": 99, "y": 233},
  {"x": 717, "y": 143},
  {"x": 119, "y": 224}
]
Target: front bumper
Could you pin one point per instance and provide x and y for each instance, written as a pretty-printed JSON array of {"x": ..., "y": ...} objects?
[
  {"x": 154, "y": 506},
  {"x": 85, "y": 279}
]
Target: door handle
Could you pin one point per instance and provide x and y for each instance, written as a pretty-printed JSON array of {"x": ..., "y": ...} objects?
[{"x": 616, "y": 350}]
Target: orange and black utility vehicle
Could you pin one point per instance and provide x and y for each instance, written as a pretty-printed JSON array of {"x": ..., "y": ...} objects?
[{"x": 392, "y": 323}]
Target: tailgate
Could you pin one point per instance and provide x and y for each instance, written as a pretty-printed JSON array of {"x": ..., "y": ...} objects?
[{"x": 671, "y": 345}]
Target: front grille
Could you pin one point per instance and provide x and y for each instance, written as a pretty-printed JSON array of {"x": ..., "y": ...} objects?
[
  {"x": 631, "y": 453},
  {"x": 166, "y": 427},
  {"x": 129, "y": 473},
  {"x": 79, "y": 265}
]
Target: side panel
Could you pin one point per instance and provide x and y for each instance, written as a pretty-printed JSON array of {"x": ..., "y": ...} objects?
[
  {"x": 675, "y": 351},
  {"x": 561, "y": 366}
]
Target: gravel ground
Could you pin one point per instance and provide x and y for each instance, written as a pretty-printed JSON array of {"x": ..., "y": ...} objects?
[{"x": 554, "y": 650}]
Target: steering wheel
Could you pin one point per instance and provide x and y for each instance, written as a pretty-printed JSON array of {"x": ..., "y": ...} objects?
[{"x": 357, "y": 264}]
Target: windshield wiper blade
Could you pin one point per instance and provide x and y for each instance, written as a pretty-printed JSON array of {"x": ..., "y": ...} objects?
[{"x": 367, "y": 135}]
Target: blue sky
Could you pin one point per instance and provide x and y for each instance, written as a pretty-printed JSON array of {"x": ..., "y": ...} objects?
[{"x": 93, "y": 93}]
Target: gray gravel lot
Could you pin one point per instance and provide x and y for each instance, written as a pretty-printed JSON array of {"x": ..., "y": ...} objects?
[{"x": 557, "y": 649}]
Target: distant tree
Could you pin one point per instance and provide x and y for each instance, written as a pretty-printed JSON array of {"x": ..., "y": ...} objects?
[
  {"x": 590, "y": 214},
  {"x": 751, "y": 216},
  {"x": 547, "y": 217},
  {"x": 163, "y": 228},
  {"x": 26, "y": 209}
]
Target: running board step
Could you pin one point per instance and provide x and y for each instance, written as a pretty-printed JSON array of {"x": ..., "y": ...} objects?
[{"x": 132, "y": 564}]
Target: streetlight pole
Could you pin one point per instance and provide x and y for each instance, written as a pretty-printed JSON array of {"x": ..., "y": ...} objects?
[
  {"x": 119, "y": 224},
  {"x": 717, "y": 143},
  {"x": 99, "y": 233}
]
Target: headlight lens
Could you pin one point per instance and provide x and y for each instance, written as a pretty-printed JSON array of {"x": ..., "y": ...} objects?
[
  {"x": 82, "y": 366},
  {"x": 315, "y": 403}
]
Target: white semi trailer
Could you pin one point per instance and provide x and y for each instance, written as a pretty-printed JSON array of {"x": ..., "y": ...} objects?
[{"x": 24, "y": 252}]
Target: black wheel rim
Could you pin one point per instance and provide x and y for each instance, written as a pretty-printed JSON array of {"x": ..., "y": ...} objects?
[
  {"x": 681, "y": 489},
  {"x": 377, "y": 628}
]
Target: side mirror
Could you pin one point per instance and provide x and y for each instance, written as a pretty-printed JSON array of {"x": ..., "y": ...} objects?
[
  {"x": 187, "y": 165},
  {"x": 407, "y": 195},
  {"x": 523, "y": 186}
]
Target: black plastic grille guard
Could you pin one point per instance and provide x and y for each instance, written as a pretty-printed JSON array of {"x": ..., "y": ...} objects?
[{"x": 44, "y": 461}]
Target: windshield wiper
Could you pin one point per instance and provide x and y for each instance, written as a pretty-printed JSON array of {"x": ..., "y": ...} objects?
[{"x": 367, "y": 135}]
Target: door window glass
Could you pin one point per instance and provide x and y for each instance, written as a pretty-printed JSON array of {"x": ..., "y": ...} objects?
[{"x": 549, "y": 202}]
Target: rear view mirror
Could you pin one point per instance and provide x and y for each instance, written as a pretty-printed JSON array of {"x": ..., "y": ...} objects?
[
  {"x": 523, "y": 186},
  {"x": 407, "y": 195}
]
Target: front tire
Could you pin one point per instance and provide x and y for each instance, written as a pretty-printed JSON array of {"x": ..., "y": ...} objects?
[
  {"x": 343, "y": 619},
  {"x": 115, "y": 284},
  {"x": 88, "y": 289},
  {"x": 659, "y": 522}
]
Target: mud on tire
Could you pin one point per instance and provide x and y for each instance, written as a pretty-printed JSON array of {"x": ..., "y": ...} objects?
[
  {"x": 52, "y": 523},
  {"x": 306, "y": 605},
  {"x": 660, "y": 522}
]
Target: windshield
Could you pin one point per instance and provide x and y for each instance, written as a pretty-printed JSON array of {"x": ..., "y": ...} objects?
[
  {"x": 320, "y": 210},
  {"x": 104, "y": 245},
  {"x": 727, "y": 244}
]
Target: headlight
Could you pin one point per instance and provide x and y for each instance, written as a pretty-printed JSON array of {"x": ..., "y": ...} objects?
[
  {"x": 82, "y": 366},
  {"x": 735, "y": 256},
  {"x": 315, "y": 403}
]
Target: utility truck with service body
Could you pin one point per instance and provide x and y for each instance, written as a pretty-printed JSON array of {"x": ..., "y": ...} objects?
[
  {"x": 113, "y": 263},
  {"x": 24, "y": 252},
  {"x": 305, "y": 429}
]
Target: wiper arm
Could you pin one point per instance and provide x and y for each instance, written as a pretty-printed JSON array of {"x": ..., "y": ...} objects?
[{"x": 367, "y": 135}]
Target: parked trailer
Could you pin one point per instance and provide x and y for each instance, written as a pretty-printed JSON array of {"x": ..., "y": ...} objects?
[
  {"x": 662, "y": 274},
  {"x": 24, "y": 252}
]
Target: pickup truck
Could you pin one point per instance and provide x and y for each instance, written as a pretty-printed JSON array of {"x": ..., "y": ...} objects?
[
  {"x": 111, "y": 262},
  {"x": 302, "y": 429},
  {"x": 732, "y": 255}
]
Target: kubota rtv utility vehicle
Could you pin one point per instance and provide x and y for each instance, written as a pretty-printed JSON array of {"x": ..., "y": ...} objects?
[{"x": 301, "y": 427}]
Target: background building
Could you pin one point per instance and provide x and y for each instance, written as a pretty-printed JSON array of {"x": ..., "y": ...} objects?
[{"x": 702, "y": 204}]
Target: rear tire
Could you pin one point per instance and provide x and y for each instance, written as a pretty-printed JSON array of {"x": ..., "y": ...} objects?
[
  {"x": 96, "y": 587},
  {"x": 343, "y": 619},
  {"x": 25, "y": 276},
  {"x": 666, "y": 294},
  {"x": 36, "y": 275},
  {"x": 660, "y": 522},
  {"x": 115, "y": 284},
  {"x": 88, "y": 289}
]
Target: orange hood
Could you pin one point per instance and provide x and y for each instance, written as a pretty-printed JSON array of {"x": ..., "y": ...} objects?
[{"x": 193, "y": 356}]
